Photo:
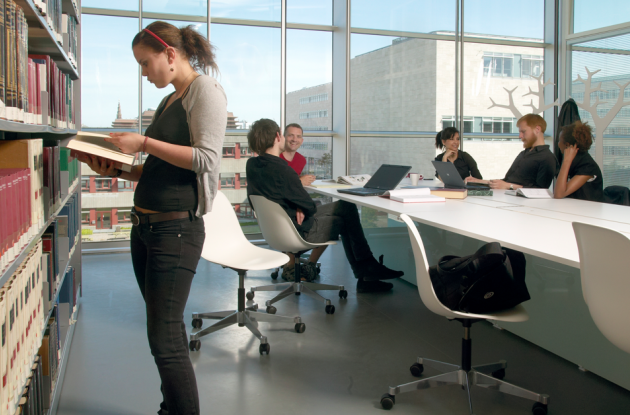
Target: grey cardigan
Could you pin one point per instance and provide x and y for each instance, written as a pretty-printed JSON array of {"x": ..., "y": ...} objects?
[{"x": 206, "y": 113}]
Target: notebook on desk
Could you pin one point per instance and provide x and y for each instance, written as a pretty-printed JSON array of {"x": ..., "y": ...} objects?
[
  {"x": 386, "y": 178},
  {"x": 450, "y": 177}
]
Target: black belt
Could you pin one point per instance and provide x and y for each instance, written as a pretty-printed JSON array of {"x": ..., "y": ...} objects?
[{"x": 157, "y": 217}]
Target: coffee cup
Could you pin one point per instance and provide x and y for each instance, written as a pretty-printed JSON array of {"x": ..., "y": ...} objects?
[{"x": 414, "y": 178}]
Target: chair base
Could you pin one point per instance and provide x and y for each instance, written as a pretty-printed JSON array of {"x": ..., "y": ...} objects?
[
  {"x": 297, "y": 288},
  {"x": 243, "y": 316},
  {"x": 465, "y": 376}
]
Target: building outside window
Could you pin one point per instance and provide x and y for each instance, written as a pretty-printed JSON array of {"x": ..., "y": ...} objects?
[{"x": 500, "y": 64}]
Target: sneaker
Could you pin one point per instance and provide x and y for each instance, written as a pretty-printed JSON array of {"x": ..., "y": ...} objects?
[
  {"x": 373, "y": 286},
  {"x": 371, "y": 270},
  {"x": 288, "y": 274},
  {"x": 308, "y": 272}
]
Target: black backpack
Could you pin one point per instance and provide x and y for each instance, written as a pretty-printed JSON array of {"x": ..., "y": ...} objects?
[{"x": 492, "y": 279}]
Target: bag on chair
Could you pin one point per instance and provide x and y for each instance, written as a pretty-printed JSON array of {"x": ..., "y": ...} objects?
[{"x": 492, "y": 279}]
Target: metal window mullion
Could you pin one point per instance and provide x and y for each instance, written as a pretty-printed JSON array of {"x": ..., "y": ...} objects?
[
  {"x": 457, "y": 63},
  {"x": 348, "y": 92},
  {"x": 283, "y": 65},
  {"x": 209, "y": 23},
  {"x": 461, "y": 78}
]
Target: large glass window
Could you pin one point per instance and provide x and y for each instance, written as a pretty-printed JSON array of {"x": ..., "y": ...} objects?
[
  {"x": 589, "y": 15},
  {"x": 249, "y": 65},
  {"x": 423, "y": 16},
  {"x": 309, "y": 79},
  {"x": 111, "y": 4},
  {"x": 269, "y": 10},
  {"x": 185, "y": 7},
  {"x": 309, "y": 11},
  {"x": 596, "y": 84}
]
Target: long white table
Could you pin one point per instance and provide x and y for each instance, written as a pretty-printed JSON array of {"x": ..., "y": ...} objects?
[{"x": 540, "y": 228}]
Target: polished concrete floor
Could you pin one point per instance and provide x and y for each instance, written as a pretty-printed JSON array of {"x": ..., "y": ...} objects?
[{"x": 341, "y": 364}]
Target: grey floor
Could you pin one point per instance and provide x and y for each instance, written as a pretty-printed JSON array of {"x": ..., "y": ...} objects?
[{"x": 342, "y": 364}]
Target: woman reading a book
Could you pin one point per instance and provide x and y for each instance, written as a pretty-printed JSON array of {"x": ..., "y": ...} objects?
[
  {"x": 176, "y": 186},
  {"x": 580, "y": 177},
  {"x": 448, "y": 139}
]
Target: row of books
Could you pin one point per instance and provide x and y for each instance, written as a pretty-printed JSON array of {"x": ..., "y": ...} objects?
[
  {"x": 51, "y": 10},
  {"x": 22, "y": 314},
  {"x": 32, "y": 401},
  {"x": 69, "y": 28},
  {"x": 33, "y": 181},
  {"x": 33, "y": 90}
]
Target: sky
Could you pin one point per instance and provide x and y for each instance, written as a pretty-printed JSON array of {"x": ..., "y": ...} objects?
[{"x": 249, "y": 57}]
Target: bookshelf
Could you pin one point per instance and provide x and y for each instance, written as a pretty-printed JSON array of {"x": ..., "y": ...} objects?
[{"x": 42, "y": 40}]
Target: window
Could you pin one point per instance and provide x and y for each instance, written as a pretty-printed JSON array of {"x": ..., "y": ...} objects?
[
  {"x": 497, "y": 125},
  {"x": 229, "y": 152},
  {"x": 245, "y": 150},
  {"x": 315, "y": 146},
  {"x": 243, "y": 180},
  {"x": 314, "y": 98},
  {"x": 124, "y": 216},
  {"x": 313, "y": 114},
  {"x": 103, "y": 184},
  {"x": 227, "y": 180},
  {"x": 85, "y": 184},
  {"x": 499, "y": 63},
  {"x": 449, "y": 121},
  {"x": 125, "y": 186},
  {"x": 531, "y": 65}
]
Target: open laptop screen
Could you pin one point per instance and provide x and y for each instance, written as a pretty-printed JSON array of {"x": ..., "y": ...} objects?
[{"x": 387, "y": 177}]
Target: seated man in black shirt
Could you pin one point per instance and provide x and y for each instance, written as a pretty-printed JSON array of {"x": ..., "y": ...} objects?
[
  {"x": 534, "y": 167},
  {"x": 270, "y": 176}
]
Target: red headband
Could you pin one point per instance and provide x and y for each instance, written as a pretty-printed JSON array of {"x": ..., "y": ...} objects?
[{"x": 157, "y": 37}]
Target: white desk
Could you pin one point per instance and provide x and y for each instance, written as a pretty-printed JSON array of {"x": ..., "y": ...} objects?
[{"x": 540, "y": 228}]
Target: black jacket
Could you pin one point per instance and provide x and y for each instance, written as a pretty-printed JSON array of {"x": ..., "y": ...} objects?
[
  {"x": 271, "y": 177},
  {"x": 568, "y": 115}
]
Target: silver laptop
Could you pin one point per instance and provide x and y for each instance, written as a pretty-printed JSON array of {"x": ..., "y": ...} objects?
[
  {"x": 386, "y": 178},
  {"x": 450, "y": 177}
]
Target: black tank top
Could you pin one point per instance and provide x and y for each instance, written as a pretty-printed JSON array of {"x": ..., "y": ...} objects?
[{"x": 164, "y": 187}]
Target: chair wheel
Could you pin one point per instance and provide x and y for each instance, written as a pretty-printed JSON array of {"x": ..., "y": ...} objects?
[
  {"x": 300, "y": 327},
  {"x": 499, "y": 374},
  {"x": 271, "y": 309},
  {"x": 197, "y": 323},
  {"x": 274, "y": 274},
  {"x": 250, "y": 295},
  {"x": 330, "y": 309},
  {"x": 416, "y": 369},
  {"x": 388, "y": 401},
  {"x": 194, "y": 345},
  {"x": 298, "y": 293},
  {"x": 539, "y": 409},
  {"x": 343, "y": 294},
  {"x": 264, "y": 348}
]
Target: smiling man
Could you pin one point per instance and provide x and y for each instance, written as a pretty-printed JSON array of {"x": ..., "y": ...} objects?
[
  {"x": 534, "y": 167},
  {"x": 293, "y": 141}
]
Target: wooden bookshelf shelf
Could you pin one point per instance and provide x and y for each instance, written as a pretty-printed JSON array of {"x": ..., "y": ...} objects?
[{"x": 42, "y": 40}]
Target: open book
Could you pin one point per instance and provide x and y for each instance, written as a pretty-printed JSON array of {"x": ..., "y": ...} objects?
[
  {"x": 530, "y": 193},
  {"x": 358, "y": 180},
  {"x": 418, "y": 195},
  {"x": 95, "y": 144}
]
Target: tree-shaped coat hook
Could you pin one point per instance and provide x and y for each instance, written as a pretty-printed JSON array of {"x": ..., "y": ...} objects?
[{"x": 535, "y": 109}]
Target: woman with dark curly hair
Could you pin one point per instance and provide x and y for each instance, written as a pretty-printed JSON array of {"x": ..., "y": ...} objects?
[
  {"x": 448, "y": 139},
  {"x": 580, "y": 177}
]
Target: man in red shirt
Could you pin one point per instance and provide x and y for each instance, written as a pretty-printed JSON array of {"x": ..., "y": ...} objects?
[{"x": 293, "y": 141}]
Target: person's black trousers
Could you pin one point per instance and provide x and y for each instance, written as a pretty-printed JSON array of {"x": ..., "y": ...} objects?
[
  {"x": 340, "y": 218},
  {"x": 165, "y": 257}
]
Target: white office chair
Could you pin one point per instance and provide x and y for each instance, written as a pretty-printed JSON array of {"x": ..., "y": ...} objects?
[
  {"x": 280, "y": 234},
  {"x": 226, "y": 245},
  {"x": 464, "y": 375},
  {"x": 605, "y": 280}
]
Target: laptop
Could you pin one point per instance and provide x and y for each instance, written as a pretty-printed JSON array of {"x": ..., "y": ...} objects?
[
  {"x": 451, "y": 178},
  {"x": 387, "y": 177}
]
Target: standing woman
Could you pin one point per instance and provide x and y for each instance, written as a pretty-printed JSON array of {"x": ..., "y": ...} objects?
[
  {"x": 580, "y": 177},
  {"x": 176, "y": 186},
  {"x": 448, "y": 139}
]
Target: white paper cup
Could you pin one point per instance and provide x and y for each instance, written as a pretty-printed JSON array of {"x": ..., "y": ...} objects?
[{"x": 414, "y": 178}]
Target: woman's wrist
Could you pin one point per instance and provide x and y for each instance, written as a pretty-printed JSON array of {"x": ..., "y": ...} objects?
[{"x": 144, "y": 145}]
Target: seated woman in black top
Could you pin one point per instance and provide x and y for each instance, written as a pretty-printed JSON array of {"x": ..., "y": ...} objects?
[
  {"x": 448, "y": 139},
  {"x": 580, "y": 177}
]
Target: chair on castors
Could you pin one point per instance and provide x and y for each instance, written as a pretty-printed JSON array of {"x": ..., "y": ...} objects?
[
  {"x": 464, "y": 375},
  {"x": 605, "y": 283},
  {"x": 280, "y": 234},
  {"x": 226, "y": 245},
  {"x": 618, "y": 195}
]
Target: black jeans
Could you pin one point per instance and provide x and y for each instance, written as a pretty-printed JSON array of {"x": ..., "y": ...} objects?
[
  {"x": 340, "y": 218},
  {"x": 165, "y": 257}
]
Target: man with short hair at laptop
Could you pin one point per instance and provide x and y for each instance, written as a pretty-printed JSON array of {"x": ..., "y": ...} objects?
[
  {"x": 534, "y": 167},
  {"x": 270, "y": 176},
  {"x": 293, "y": 135}
]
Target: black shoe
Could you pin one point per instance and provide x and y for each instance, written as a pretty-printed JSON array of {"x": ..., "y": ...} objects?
[
  {"x": 371, "y": 270},
  {"x": 308, "y": 272},
  {"x": 373, "y": 286}
]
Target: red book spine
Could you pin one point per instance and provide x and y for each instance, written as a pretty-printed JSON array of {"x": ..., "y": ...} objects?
[
  {"x": 27, "y": 194},
  {"x": 12, "y": 209},
  {"x": 3, "y": 218}
]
